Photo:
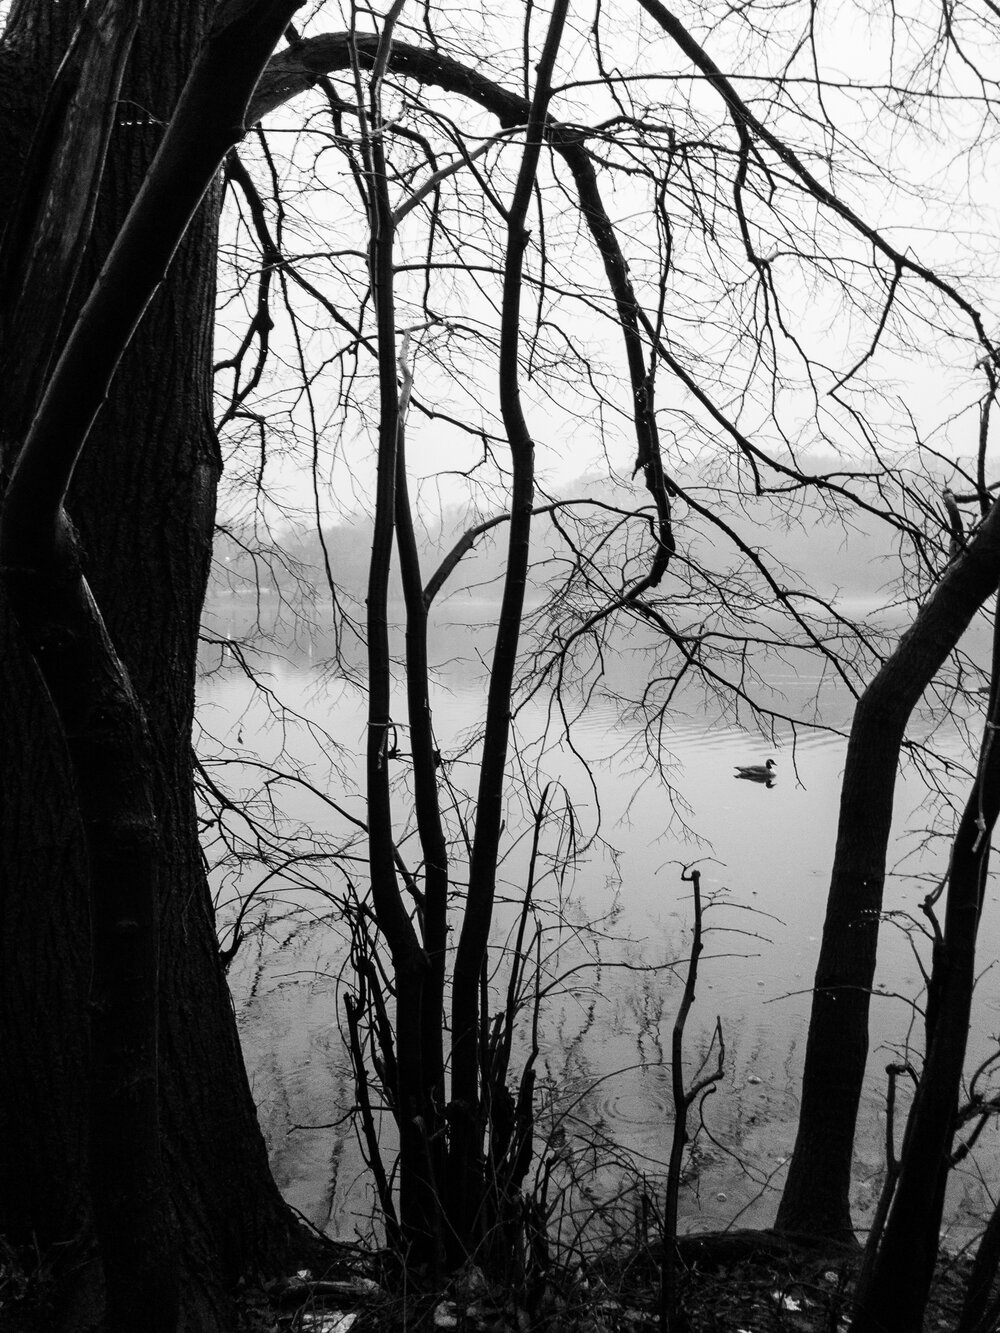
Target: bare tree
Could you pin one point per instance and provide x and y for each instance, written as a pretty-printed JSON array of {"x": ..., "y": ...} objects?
[
  {"x": 741, "y": 198},
  {"x": 591, "y": 241}
]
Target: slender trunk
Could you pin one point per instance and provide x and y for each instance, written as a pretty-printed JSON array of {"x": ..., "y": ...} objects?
[
  {"x": 466, "y": 1147},
  {"x": 418, "y": 1208},
  {"x": 673, "y": 1317},
  {"x": 904, "y": 1266},
  {"x": 816, "y": 1194},
  {"x": 423, "y": 751}
]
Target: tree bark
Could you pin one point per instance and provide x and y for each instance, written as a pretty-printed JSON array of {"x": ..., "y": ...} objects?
[{"x": 143, "y": 501}]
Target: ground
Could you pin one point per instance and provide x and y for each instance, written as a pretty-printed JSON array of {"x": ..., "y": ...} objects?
[
  {"x": 739, "y": 1291},
  {"x": 736, "y": 1283}
]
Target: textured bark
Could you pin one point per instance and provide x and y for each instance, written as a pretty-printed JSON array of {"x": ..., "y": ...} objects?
[
  {"x": 49, "y": 226},
  {"x": 101, "y": 718},
  {"x": 43, "y": 919},
  {"x": 143, "y": 501},
  {"x": 816, "y": 1195}
]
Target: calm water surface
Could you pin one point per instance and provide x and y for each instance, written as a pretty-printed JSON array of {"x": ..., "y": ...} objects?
[{"x": 765, "y": 857}]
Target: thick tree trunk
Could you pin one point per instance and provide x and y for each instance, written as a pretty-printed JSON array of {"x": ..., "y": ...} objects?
[
  {"x": 143, "y": 500},
  {"x": 44, "y": 928},
  {"x": 816, "y": 1196}
]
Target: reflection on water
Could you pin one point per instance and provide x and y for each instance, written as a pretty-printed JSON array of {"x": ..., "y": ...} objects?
[{"x": 604, "y": 1075}]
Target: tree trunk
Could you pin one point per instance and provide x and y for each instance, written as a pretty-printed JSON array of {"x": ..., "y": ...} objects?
[
  {"x": 143, "y": 500},
  {"x": 468, "y": 1020},
  {"x": 816, "y": 1195},
  {"x": 900, "y": 1278}
]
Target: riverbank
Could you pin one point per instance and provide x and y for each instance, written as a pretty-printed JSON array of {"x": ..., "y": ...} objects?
[{"x": 746, "y": 1282}]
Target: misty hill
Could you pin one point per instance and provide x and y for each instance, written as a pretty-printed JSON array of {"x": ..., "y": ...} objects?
[{"x": 855, "y": 561}]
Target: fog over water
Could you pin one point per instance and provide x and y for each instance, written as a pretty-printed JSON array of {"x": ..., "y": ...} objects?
[{"x": 618, "y": 925}]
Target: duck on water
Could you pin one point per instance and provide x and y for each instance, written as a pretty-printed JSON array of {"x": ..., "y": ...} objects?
[{"x": 756, "y": 772}]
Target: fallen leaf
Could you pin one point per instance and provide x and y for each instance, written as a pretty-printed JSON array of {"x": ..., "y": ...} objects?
[{"x": 784, "y": 1302}]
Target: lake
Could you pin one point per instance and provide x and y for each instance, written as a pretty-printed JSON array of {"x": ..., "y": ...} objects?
[{"x": 615, "y": 930}]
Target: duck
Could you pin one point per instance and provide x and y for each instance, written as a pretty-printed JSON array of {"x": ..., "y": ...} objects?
[{"x": 756, "y": 772}]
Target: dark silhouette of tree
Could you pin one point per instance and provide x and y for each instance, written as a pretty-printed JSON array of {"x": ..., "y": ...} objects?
[
  {"x": 897, "y": 1281},
  {"x": 97, "y": 777},
  {"x": 511, "y": 242},
  {"x": 816, "y": 1194}
]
